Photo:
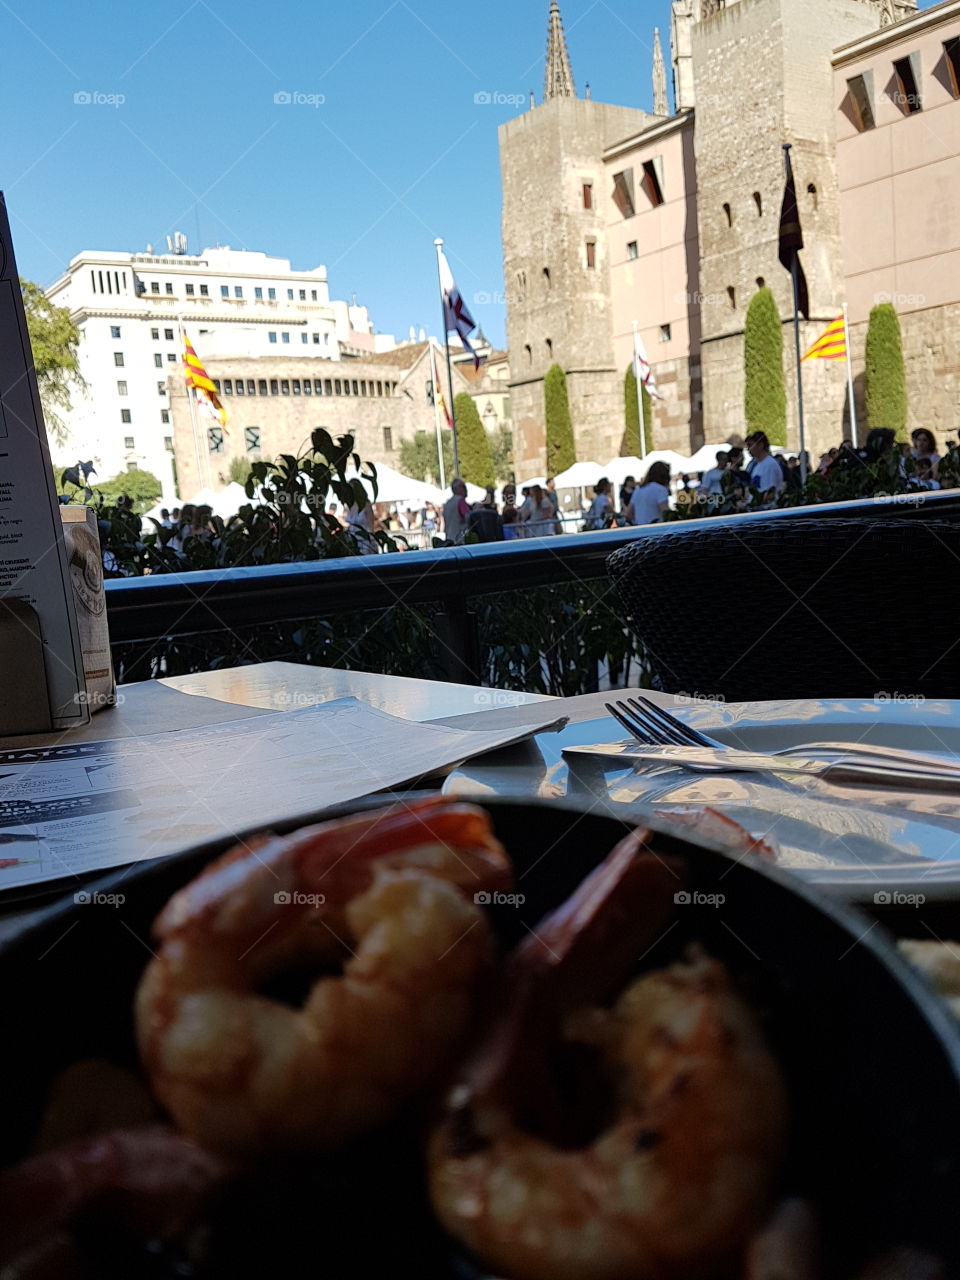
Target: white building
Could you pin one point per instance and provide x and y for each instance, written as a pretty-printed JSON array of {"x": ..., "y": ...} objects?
[{"x": 129, "y": 307}]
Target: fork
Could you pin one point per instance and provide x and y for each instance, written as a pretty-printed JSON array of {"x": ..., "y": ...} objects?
[{"x": 654, "y": 726}]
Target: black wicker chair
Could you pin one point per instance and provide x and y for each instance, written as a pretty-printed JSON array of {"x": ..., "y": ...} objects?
[{"x": 797, "y": 608}]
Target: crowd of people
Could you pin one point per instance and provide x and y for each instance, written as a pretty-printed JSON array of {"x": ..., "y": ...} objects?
[{"x": 747, "y": 476}]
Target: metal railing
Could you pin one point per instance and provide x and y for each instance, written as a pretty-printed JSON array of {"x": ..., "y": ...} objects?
[{"x": 207, "y": 601}]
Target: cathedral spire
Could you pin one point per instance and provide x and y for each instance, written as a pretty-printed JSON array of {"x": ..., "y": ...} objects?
[
  {"x": 559, "y": 78},
  {"x": 660, "y": 107}
]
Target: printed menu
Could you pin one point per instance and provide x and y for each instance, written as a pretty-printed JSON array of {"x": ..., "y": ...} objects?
[{"x": 33, "y": 566}]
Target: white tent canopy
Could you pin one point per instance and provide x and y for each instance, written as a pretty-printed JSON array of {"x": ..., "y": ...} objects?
[
  {"x": 618, "y": 469},
  {"x": 580, "y": 476},
  {"x": 393, "y": 486},
  {"x": 528, "y": 484}
]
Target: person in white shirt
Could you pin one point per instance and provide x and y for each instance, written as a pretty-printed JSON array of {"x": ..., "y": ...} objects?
[
  {"x": 764, "y": 470},
  {"x": 713, "y": 479},
  {"x": 651, "y": 497}
]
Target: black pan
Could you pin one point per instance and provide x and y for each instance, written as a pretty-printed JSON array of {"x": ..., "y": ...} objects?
[{"x": 872, "y": 1057}]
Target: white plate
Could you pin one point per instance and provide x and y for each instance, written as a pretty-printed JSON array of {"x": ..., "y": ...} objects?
[{"x": 858, "y": 844}]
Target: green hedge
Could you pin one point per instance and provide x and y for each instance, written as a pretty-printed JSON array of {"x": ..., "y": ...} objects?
[
  {"x": 765, "y": 394},
  {"x": 886, "y": 378},
  {"x": 561, "y": 450}
]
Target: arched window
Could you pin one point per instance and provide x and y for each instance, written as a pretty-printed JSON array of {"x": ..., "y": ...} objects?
[
  {"x": 729, "y": 212},
  {"x": 732, "y": 295},
  {"x": 758, "y": 201},
  {"x": 550, "y": 348},
  {"x": 529, "y": 350},
  {"x": 546, "y": 276},
  {"x": 812, "y": 193},
  {"x": 760, "y": 282}
]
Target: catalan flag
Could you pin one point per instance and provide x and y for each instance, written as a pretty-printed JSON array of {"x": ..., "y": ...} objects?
[
  {"x": 197, "y": 377},
  {"x": 832, "y": 345}
]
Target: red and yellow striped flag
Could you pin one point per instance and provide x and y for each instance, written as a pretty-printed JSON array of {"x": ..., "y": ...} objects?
[
  {"x": 198, "y": 378},
  {"x": 832, "y": 345}
]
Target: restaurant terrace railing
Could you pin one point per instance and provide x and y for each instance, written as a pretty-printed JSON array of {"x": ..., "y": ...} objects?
[{"x": 535, "y": 614}]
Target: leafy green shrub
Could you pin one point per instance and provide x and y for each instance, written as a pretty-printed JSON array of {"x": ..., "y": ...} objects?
[
  {"x": 476, "y": 458},
  {"x": 885, "y": 376},
  {"x": 561, "y": 449},
  {"x": 418, "y": 456},
  {"x": 765, "y": 395}
]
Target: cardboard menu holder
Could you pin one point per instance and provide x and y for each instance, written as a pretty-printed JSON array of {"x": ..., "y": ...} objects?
[
  {"x": 39, "y": 634},
  {"x": 82, "y": 539}
]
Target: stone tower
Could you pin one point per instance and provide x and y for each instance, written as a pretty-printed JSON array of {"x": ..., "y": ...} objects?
[
  {"x": 556, "y": 264},
  {"x": 766, "y": 62},
  {"x": 660, "y": 107}
]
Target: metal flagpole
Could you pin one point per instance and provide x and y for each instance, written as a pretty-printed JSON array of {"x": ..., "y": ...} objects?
[
  {"x": 795, "y": 278},
  {"x": 853, "y": 402},
  {"x": 436, "y": 412},
  {"x": 193, "y": 408},
  {"x": 643, "y": 427},
  {"x": 438, "y": 244}
]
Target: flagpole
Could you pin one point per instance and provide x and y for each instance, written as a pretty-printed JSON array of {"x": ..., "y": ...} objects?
[
  {"x": 795, "y": 278},
  {"x": 438, "y": 245},
  {"x": 436, "y": 412},
  {"x": 193, "y": 408},
  {"x": 853, "y": 400},
  {"x": 643, "y": 429}
]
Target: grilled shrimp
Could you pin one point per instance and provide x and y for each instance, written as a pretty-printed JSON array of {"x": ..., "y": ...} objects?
[
  {"x": 388, "y": 894},
  {"x": 671, "y": 1176}
]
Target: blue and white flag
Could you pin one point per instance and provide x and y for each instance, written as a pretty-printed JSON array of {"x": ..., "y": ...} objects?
[{"x": 458, "y": 318}]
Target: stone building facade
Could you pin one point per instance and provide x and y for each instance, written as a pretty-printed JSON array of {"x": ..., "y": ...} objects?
[
  {"x": 898, "y": 156},
  {"x": 273, "y": 404},
  {"x": 680, "y": 224}
]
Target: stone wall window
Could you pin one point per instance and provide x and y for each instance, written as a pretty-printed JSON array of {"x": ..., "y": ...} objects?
[
  {"x": 758, "y": 201},
  {"x": 588, "y": 195},
  {"x": 632, "y": 250},
  {"x": 549, "y": 348},
  {"x": 284, "y": 387},
  {"x": 623, "y": 193},
  {"x": 296, "y": 386},
  {"x": 591, "y": 254},
  {"x": 122, "y": 388},
  {"x": 274, "y": 387},
  {"x": 128, "y": 442},
  {"x": 125, "y": 415},
  {"x": 251, "y": 438},
  {"x": 529, "y": 350},
  {"x": 653, "y": 181},
  {"x": 732, "y": 295},
  {"x": 951, "y": 53},
  {"x": 907, "y": 75},
  {"x": 251, "y": 387},
  {"x": 761, "y": 283},
  {"x": 546, "y": 277},
  {"x": 161, "y": 388},
  {"x": 666, "y": 333},
  {"x": 118, "y": 359},
  {"x": 729, "y": 215},
  {"x": 241, "y": 389},
  {"x": 814, "y": 197},
  {"x": 388, "y": 439},
  {"x": 228, "y": 386},
  {"x": 215, "y": 439},
  {"x": 262, "y": 386}
]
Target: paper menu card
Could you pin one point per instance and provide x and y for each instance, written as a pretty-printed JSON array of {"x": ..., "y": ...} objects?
[
  {"x": 73, "y": 808},
  {"x": 33, "y": 567}
]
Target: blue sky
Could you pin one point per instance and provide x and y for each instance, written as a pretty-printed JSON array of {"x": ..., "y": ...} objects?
[{"x": 397, "y": 153}]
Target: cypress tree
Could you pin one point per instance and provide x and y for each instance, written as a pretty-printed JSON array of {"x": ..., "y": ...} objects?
[
  {"x": 630, "y": 445},
  {"x": 476, "y": 456},
  {"x": 765, "y": 394},
  {"x": 561, "y": 450},
  {"x": 886, "y": 378}
]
